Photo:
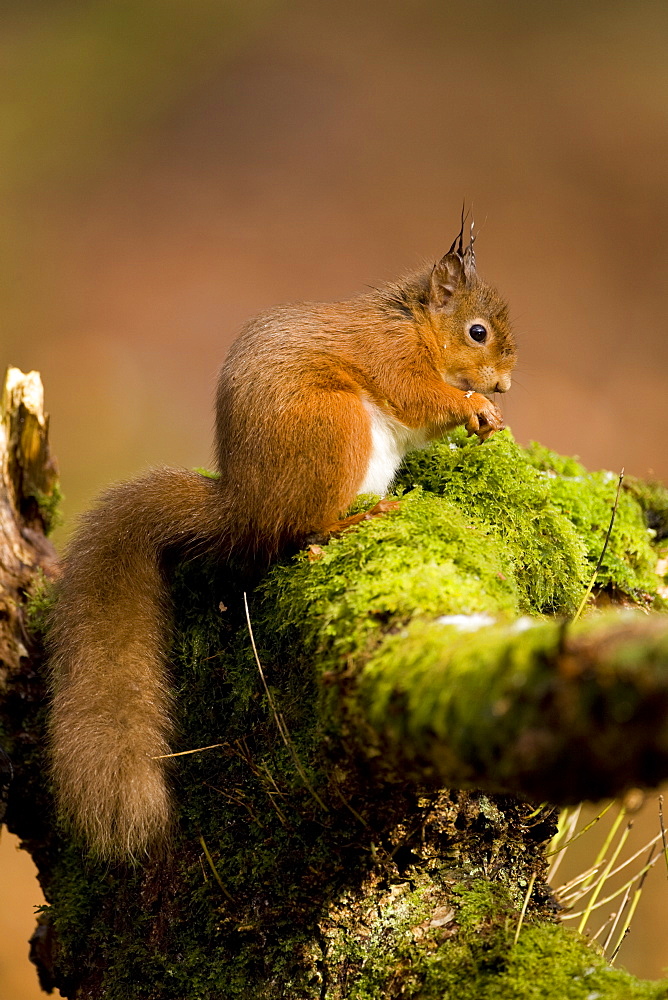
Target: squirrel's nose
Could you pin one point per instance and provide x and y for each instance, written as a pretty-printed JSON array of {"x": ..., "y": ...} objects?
[{"x": 503, "y": 384}]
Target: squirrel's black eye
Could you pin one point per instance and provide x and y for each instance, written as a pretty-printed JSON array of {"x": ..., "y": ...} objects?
[{"x": 478, "y": 332}]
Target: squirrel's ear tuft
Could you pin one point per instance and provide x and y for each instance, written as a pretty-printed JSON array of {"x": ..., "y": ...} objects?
[{"x": 446, "y": 277}]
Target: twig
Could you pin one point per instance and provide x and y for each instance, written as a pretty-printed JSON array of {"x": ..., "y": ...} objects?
[
  {"x": 663, "y": 833},
  {"x": 603, "y": 550}
]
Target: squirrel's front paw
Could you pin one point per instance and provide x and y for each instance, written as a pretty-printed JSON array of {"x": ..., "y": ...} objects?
[{"x": 484, "y": 417}]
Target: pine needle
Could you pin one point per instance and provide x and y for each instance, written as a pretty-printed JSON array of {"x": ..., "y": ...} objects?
[
  {"x": 600, "y": 857},
  {"x": 615, "y": 952},
  {"x": 574, "y": 888},
  {"x": 562, "y": 825},
  {"x": 536, "y": 812},
  {"x": 602, "y": 928}
]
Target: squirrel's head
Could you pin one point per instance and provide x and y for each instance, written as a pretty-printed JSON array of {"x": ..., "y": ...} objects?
[{"x": 470, "y": 320}]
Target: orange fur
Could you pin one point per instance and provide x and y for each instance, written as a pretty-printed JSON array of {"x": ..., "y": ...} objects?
[{"x": 314, "y": 401}]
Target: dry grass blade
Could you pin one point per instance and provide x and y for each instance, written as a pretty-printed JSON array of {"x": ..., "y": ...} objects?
[
  {"x": 634, "y": 903},
  {"x": 280, "y": 722},
  {"x": 614, "y": 895},
  {"x": 618, "y": 915},
  {"x": 567, "y": 890},
  {"x": 605, "y": 874},
  {"x": 524, "y": 907},
  {"x": 213, "y": 869},
  {"x": 183, "y": 753},
  {"x": 584, "y": 829},
  {"x": 567, "y": 824},
  {"x": 583, "y": 891}
]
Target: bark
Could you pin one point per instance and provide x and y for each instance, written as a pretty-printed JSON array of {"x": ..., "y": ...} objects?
[
  {"x": 317, "y": 854},
  {"x": 27, "y": 495},
  {"x": 27, "y": 484}
]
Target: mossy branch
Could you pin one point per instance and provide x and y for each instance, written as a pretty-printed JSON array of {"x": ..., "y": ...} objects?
[
  {"x": 398, "y": 887},
  {"x": 416, "y": 620},
  {"x": 534, "y": 708}
]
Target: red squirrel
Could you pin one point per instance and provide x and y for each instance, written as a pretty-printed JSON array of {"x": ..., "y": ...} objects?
[{"x": 316, "y": 403}]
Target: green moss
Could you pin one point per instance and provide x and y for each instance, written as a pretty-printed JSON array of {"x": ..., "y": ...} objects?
[
  {"x": 551, "y": 462},
  {"x": 430, "y": 558},
  {"x": 465, "y": 950},
  {"x": 547, "y": 960},
  {"x": 550, "y": 513},
  {"x": 496, "y": 483},
  {"x": 49, "y": 505},
  {"x": 452, "y": 684},
  {"x": 39, "y": 604},
  {"x": 653, "y": 499},
  {"x": 628, "y": 562},
  {"x": 207, "y": 473},
  {"x": 323, "y": 869}
]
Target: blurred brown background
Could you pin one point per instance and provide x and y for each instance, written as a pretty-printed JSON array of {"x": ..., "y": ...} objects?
[{"x": 167, "y": 169}]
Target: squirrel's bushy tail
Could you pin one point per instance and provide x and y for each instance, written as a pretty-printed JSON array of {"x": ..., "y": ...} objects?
[{"x": 110, "y": 632}]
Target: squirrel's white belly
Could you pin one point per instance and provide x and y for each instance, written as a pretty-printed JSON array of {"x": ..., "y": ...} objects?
[{"x": 390, "y": 441}]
